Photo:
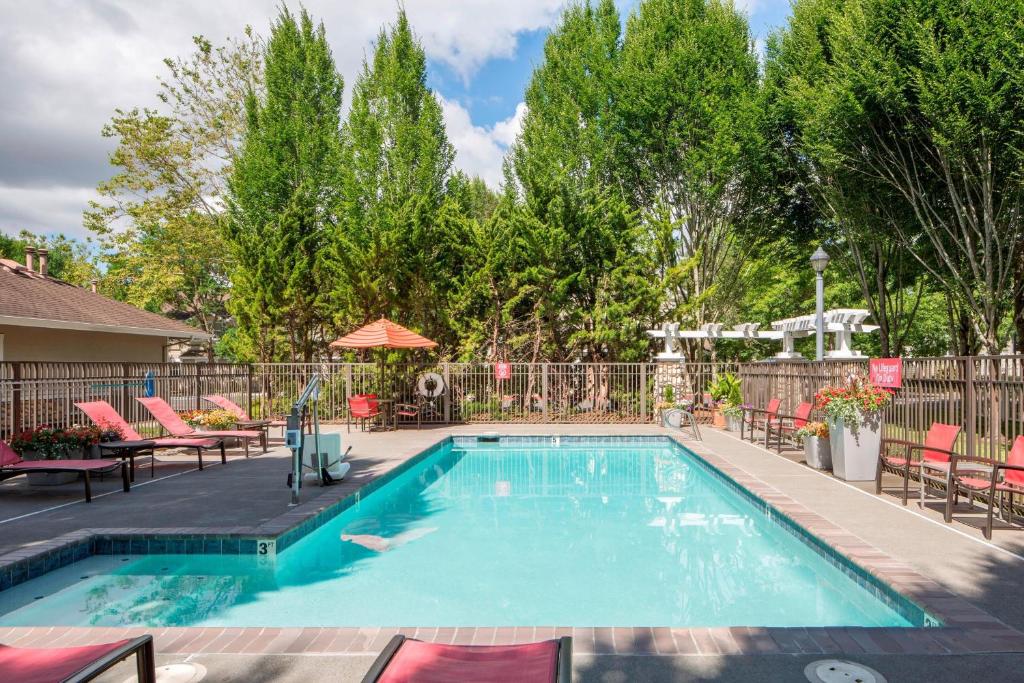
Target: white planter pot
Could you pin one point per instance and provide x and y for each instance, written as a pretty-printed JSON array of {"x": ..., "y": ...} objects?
[
  {"x": 732, "y": 424},
  {"x": 855, "y": 452},
  {"x": 818, "y": 452}
]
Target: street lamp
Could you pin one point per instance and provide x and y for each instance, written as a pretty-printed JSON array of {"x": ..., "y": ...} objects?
[{"x": 819, "y": 261}]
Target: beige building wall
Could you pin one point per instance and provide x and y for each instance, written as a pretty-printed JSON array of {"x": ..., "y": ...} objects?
[{"x": 45, "y": 344}]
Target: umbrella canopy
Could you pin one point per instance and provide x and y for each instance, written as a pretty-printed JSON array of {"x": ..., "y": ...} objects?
[{"x": 383, "y": 334}]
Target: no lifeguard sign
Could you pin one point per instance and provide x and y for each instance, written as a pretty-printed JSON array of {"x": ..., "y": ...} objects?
[
  {"x": 502, "y": 371},
  {"x": 886, "y": 372}
]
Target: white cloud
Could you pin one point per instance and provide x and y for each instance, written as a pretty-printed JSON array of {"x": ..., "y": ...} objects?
[
  {"x": 65, "y": 67},
  {"x": 480, "y": 149}
]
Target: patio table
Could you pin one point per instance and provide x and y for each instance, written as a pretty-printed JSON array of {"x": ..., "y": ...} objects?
[{"x": 130, "y": 449}]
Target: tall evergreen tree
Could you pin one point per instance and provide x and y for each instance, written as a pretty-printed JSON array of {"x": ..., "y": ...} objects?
[
  {"x": 394, "y": 229},
  {"x": 283, "y": 192}
]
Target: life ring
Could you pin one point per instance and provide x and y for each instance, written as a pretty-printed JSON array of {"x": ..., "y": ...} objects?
[{"x": 428, "y": 377}]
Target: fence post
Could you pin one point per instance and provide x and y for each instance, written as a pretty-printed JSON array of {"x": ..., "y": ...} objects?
[
  {"x": 16, "y": 407},
  {"x": 446, "y": 375},
  {"x": 199, "y": 387},
  {"x": 546, "y": 400},
  {"x": 643, "y": 391},
  {"x": 970, "y": 407},
  {"x": 248, "y": 387},
  {"x": 125, "y": 389}
]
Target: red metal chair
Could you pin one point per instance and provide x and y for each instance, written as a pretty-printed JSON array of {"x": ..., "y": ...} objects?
[
  {"x": 771, "y": 415},
  {"x": 362, "y": 407},
  {"x": 407, "y": 659},
  {"x": 788, "y": 424},
  {"x": 75, "y": 664},
  {"x": 970, "y": 482},
  {"x": 933, "y": 464},
  {"x": 409, "y": 410}
]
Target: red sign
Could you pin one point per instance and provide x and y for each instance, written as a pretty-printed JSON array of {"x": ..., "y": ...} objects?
[
  {"x": 886, "y": 372},
  {"x": 502, "y": 371}
]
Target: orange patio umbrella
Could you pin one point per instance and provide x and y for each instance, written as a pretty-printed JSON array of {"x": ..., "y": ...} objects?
[{"x": 383, "y": 334}]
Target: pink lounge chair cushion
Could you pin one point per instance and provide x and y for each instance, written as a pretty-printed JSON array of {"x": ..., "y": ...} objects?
[
  {"x": 436, "y": 663},
  {"x": 802, "y": 414},
  {"x": 162, "y": 411},
  {"x": 175, "y": 442},
  {"x": 228, "y": 405},
  {"x": 104, "y": 415},
  {"x": 232, "y": 433},
  {"x": 45, "y": 665},
  {"x": 8, "y": 456}
]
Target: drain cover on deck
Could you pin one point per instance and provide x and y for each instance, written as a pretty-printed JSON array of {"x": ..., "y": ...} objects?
[
  {"x": 177, "y": 673},
  {"x": 841, "y": 671}
]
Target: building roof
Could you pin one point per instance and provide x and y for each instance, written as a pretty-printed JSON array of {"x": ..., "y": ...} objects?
[{"x": 31, "y": 299}]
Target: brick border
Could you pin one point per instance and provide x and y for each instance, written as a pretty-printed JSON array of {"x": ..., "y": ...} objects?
[{"x": 966, "y": 629}]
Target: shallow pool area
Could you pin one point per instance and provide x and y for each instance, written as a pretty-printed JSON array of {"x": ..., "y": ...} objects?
[{"x": 523, "y": 531}]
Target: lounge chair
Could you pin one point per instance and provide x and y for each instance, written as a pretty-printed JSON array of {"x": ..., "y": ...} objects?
[
  {"x": 362, "y": 407},
  {"x": 971, "y": 481},
  {"x": 12, "y": 465},
  {"x": 754, "y": 422},
  {"x": 788, "y": 424},
  {"x": 75, "y": 664},
  {"x": 933, "y": 464},
  {"x": 104, "y": 415},
  {"x": 408, "y": 659},
  {"x": 163, "y": 413},
  {"x": 244, "y": 421}
]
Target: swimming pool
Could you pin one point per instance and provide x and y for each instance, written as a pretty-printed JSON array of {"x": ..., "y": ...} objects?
[{"x": 522, "y": 531}]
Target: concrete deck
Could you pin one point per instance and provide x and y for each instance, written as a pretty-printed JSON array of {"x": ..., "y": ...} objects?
[{"x": 250, "y": 493}]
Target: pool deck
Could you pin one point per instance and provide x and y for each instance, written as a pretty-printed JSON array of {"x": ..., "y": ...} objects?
[{"x": 949, "y": 569}]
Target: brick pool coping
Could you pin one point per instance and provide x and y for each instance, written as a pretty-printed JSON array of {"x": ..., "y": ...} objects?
[{"x": 966, "y": 628}]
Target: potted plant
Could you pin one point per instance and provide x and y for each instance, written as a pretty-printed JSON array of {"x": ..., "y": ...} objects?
[
  {"x": 854, "y": 415},
  {"x": 817, "y": 448},
  {"x": 53, "y": 443},
  {"x": 668, "y": 408},
  {"x": 728, "y": 397}
]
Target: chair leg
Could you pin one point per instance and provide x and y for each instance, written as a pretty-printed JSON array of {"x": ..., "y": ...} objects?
[
  {"x": 88, "y": 487},
  {"x": 951, "y": 485},
  {"x": 145, "y": 664},
  {"x": 199, "y": 452},
  {"x": 125, "y": 477},
  {"x": 906, "y": 484},
  {"x": 223, "y": 455},
  {"x": 246, "y": 443},
  {"x": 988, "y": 522}
]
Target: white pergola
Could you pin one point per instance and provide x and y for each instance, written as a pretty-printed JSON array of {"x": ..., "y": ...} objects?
[{"x": 840, "y": 322}]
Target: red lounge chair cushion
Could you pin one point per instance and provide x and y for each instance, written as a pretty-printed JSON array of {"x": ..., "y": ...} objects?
[
  {"x": 64, "y": 464},
  {"x": 233, "y": 433},
  {"x": 939, "y": 436},
  {"x": 420, "y": 662},
  {"x": 895, "y": 462},
  {"x": 228, "y": 405},
  {"x": 104, "y": 415},
  {"x": 43, "y": 665},
  {"x": 174, "y": 442}
]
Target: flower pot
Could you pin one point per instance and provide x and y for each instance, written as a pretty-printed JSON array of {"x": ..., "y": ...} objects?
[
  {"x": 47, "y": 478},
  {"x": 855, "y": 447},
  {"x": 818, "y": 452},
  {"x": 717, "y": 419},
  {"x": 732, "y": 423}
]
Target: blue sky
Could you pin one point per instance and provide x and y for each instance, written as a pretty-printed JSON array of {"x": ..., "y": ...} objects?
[{"x": 497, "y": 87}]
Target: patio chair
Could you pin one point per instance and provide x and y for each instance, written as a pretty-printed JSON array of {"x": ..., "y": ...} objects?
[
  {"x": 788, "y": 424},
  {"x": 104, "y": 416},
  {"x": 933, "y": 463},
  {"x": 163, "y": 413},
  {"x": 76, "y": 664},
  {"x": 970, "y": 482},
  {"x": 12, "y": 465},
  {"x": 362, "y": 407},
  {"x": 754, "y": 422},
  {"x": 409, "y": 410},
  {"x": 244, "y": 421},
  {"x": 408, "y": 659}
]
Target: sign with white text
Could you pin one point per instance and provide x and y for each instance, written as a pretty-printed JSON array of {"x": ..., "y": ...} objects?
[{"x": 886, "y": 372}]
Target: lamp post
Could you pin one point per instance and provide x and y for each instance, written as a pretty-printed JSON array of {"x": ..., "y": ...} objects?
[{"x": 819, "y": 260}]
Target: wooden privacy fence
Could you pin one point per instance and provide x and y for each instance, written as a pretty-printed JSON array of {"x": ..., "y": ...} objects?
[{"x": 984, "y": 394}]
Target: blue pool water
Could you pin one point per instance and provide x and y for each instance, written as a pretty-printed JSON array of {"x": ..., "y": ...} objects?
[{"x": 584, "y": 533}]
